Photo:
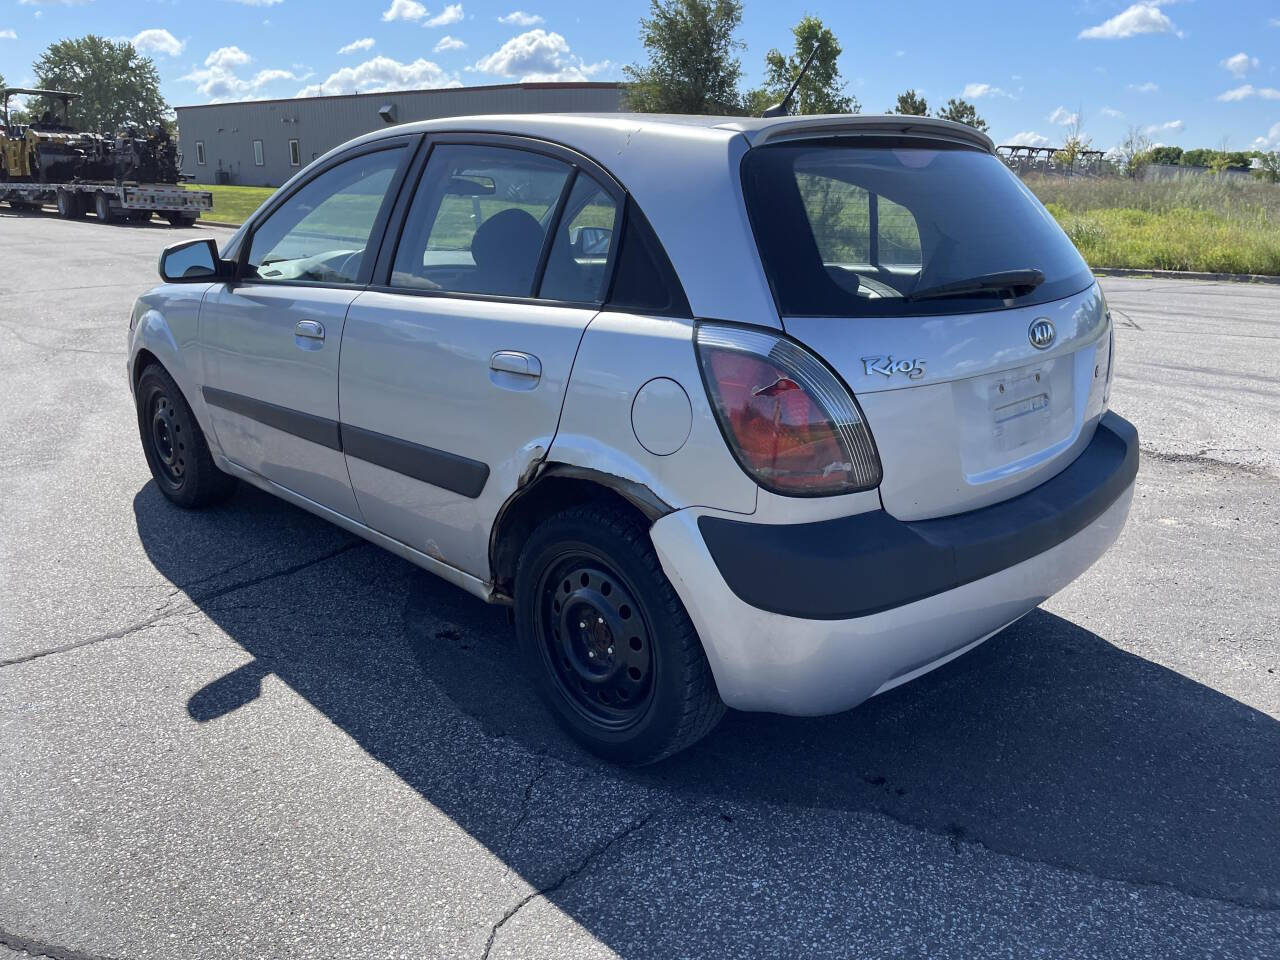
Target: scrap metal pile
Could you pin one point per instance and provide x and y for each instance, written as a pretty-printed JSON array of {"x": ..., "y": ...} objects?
[{"x": 50, "y": 150}]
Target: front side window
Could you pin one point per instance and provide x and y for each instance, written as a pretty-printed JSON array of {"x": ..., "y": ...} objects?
[
  {"x": 322, "y": 232},
  {"x": 479, "y": 221},
  {"x": 893, "y": 229},
  {"x": 257, "y": 153},
  {"x": 200, "y": 152}
]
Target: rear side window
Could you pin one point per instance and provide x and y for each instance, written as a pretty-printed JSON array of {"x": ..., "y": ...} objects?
[
  {"x": 479, "y": 221},
  {"x": 579, "y": 260},
  {"x": 888, "y": 229}
]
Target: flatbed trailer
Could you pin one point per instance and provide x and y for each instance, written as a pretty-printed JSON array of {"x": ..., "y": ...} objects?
[{"x": 110, "y": 202}]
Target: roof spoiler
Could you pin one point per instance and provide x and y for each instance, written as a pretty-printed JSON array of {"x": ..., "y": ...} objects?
[{"x": 835, "y": 125}]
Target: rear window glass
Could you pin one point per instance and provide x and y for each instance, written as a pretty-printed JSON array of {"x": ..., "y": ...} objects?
[{"x": 889, "y": 230}]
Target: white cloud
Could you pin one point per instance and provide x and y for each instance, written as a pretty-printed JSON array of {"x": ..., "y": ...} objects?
[
  {"x": 8, "y": 35},
  {"x": 448, "y": 43},
  {"x": 1244, "y": 91},
  {"x": 1147, "y": 87},
  {"x": 1173, "y": 126},
  {"x": 364, "y": 43},
  {"x": 450, "y": 14},
  {"x": 538, "y": 56},
  {"x": 404, "y": 10},
  {"x": 975, "y": 91},
  {"x": 518, "y": 18},
  {"x": 1111, "y": 112},
  {"x": 1139, "y": 18},
  {"x": 219, "y": 81},
  {"x": 1240, "y": 64},
  {"x": 1028, "y": 138},
  {"x": 1271, "y": 141},
  {"x": 156, "y": 40},
  {"x": 1064, "y": 117},
  {"x": 380, "y": 74}
]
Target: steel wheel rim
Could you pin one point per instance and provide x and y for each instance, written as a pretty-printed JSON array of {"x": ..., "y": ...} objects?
[
  {"x": 168, "y": 442},
  {"x": 594, "y": 640}
]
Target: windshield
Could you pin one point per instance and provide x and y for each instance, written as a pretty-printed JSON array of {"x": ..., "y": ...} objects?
[{"x": 886, "y": 229}]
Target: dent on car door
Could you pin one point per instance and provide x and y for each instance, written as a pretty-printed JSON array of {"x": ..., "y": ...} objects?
[
  {"x": 453, "y": 372},
  {"x": 271, "y": 338}
]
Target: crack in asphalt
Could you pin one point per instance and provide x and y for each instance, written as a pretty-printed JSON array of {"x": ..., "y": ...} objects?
[
  {"x": 193, "y": 605},
  {"x": 592, "y": 855},
  {"x": 38, "y": 948},
  {"x": 539, "y": 773}
]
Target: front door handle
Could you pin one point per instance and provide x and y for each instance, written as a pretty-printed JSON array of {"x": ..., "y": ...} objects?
[
  {"x": 517, "y": 362},
  {"x": 311, "y": 329}
]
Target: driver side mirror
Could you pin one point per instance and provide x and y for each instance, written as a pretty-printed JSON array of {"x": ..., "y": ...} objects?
[{"x": 193, "y": 261}]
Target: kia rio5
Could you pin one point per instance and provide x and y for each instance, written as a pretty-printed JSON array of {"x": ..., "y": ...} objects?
[{"x": 768, "y": 414}]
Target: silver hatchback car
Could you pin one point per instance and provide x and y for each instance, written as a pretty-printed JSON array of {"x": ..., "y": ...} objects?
[{"x": 773, "y": 414}]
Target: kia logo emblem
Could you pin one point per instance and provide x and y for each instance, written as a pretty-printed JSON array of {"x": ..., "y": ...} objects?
[{"x": 1041, "y": 333}]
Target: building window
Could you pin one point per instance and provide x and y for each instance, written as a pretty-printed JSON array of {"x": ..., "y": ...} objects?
[
  {"x": 295, "y": 154},
  {"x": 200, "y": 152},
  {"x": 257, "y": 153}
]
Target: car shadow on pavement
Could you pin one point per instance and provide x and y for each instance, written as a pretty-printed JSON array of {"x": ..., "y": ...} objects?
[{"x": 1047, "y": 743}]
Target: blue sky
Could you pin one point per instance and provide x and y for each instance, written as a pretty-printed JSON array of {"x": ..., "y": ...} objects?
[{"x": 1190, "y": 72}]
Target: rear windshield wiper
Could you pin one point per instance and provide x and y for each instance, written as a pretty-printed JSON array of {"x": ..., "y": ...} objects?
[{"x": 1013, "y": 283}]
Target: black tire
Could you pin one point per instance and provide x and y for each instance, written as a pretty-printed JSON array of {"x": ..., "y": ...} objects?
[
  {"x": 140, "y": 216},
  {"x": 174, "y": 444},
  {"x": 69, "y": 205},
  {"x": 634, "y": 686},
  {"x": 177, "y": 219},
  {"x": 102, "y": 208}
]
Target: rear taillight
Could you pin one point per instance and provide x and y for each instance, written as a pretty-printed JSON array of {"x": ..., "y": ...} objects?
[{"x": 793, "y": 426}]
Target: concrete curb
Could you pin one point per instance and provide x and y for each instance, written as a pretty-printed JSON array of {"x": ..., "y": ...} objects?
[
  {"x": 202, "y": 222},
  {"x": 1184, "y": 275}
]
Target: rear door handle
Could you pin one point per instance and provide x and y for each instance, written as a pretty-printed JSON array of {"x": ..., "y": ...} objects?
[
  {"x": 311, "y": 329},
  {"x": 517, "y": 362}
]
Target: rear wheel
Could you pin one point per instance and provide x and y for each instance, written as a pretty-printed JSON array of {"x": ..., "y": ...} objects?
[
  {"x": 177, "y": 218},
  {"x": 70, "y": 206},
  {"x": 102, "y": 208},
  {"x": 174, "y": 444},
  {"x": 609, "y": 643}
]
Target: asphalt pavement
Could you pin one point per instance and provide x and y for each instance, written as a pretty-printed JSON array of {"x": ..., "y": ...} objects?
[{"x": 243, "y": 733}]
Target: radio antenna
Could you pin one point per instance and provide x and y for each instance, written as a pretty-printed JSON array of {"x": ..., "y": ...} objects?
[{"x": 784, "y": 108}]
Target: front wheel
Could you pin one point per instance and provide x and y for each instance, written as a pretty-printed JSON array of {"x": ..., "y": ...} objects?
[
  {"x": 102, "y": 208},
  {"x": 174, "y": 444},
  {"x": 609, "y": 643}
]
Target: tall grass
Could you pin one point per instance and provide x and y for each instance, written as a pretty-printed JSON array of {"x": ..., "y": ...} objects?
[{"x": 1204, "y": 223}]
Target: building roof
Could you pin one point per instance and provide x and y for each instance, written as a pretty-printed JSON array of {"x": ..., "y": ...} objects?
[{"x": 542, "y": 85}]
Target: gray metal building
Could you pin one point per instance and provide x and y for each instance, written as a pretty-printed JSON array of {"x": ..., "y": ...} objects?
[{"x": 265, "y": 142}]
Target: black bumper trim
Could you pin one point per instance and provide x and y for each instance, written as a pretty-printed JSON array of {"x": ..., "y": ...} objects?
[{"x": 868, "y": 563}]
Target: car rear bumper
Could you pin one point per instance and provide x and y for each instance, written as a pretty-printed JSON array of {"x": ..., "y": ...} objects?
[{"x": 815, "y": 618}]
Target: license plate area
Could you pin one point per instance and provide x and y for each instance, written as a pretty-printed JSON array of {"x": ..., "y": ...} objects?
[{"x": 1020, "y": 404}]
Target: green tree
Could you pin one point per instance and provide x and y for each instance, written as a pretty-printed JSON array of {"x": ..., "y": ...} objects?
[
  {"x": 911, "y": 104},
  {"x": 693, "y": 65},
  {"x": 1167, "y": 155},
  {"x": 118, "y": 86},
  {"x": 822, "y": 89},
  {"x": 961, "y": 111},
  {"x": 1134, "y": 153},
  {"x": 1198, "y": 157}
]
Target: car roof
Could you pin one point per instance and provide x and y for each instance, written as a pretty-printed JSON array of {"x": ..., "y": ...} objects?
[
  {"x": 756, "y": 130},
  {"x": 682, "y": 172}
]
